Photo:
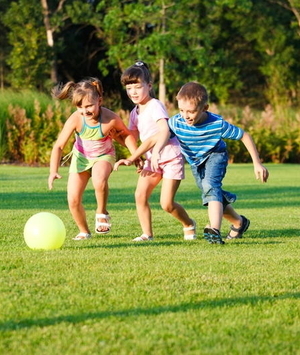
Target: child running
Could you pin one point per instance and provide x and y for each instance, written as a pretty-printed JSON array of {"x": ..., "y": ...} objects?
[
  {"x": 93, "y": 154},
  {"x": 149, "y": 117},
  {"x": 200, "y": 134}
]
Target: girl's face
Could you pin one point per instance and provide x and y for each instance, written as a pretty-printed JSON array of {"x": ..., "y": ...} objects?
[
  {"x": 89, "y": 108},
  {"x": 139, "y": 93}
]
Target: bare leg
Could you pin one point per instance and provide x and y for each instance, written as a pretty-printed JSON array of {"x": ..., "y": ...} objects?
[
  {"x": 233, "y": 217},
  {"x": 146, "y": 183},
  {"x": 168, "y": 192},
  {"x": 215, "y": 214},
  {"x": 100, "y": 174},
  {"x": 76, "y": 185}
]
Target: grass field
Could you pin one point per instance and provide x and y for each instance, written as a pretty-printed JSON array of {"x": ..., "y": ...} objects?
[{"x": 108, "y": 295}]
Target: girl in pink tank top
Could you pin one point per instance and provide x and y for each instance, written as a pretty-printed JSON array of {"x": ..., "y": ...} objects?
[{"x": 93, "y": 154}]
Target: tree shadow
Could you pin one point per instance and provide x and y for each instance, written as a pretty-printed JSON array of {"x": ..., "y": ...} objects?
[
  {"x": 123, "y": 198},
  {"x": 12, "y": 325},
  {"x": 152, "y": 244}
]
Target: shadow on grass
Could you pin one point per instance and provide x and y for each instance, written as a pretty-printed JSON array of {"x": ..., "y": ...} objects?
[
  {"x": 167, "y": 244},
  {"x": 261, "y": 238},
  {"x": 276, "y": 233},
  {"x": 136, "y": 312},
  {"x": 151, "y": 244},
  {"x": 121, "y": 199}
]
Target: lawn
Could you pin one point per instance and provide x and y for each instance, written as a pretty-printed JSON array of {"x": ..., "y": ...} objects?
[{"x": 108, "y": 295}]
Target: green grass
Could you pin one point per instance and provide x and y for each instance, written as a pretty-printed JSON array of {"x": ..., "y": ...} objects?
[{"x": 108, "y": 295}]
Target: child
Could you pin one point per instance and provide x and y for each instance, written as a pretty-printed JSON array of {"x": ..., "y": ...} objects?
[
  {"x": 200, "y": 134},
  {"x": 93, "y": 154},
  {"x": 147, "y": 118}
]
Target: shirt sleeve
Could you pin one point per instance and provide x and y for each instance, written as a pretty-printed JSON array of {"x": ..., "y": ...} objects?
[
  {"x": 171, "y": 125},
  {"x": 159, "y": 111},
  {"x": 229, "y": 131},
  {"x": 133, "y": 120}
]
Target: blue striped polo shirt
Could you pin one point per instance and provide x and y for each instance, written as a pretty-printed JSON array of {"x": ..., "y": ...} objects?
[{"x": 199, "y": 140}]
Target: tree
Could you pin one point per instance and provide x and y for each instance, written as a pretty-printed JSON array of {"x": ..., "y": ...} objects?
[
  {"x": 4, "y": 48},
  {"x": 28, "y": 58},
  {"x": 50, "y": 35},
  {"x": 220, "y": 43}
]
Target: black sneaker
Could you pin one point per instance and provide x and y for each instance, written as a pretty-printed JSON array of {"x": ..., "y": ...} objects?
[{"x": 213, "y": 236}]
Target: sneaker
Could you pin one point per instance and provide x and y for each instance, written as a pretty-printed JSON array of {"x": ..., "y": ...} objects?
[{"x": 213, "y": 236}]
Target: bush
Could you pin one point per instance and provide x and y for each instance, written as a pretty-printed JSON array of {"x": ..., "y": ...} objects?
[{"x": 30, "y": 123}]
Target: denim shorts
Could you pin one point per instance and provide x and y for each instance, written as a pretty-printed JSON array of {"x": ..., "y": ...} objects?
[{"x": 209, "y": 176}]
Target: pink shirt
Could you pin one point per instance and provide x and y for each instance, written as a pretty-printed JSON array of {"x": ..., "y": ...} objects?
[{"x": 146, "y": 124}]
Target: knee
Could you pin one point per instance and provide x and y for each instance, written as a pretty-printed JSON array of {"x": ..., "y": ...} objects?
[
  {"x": 100, "y": 185},
  {"x": 140, "y": 197},
  {"x": 167, "y": 206},
  {"x": 73, "y": 202}
]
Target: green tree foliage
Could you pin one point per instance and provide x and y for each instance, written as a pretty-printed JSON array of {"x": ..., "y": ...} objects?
[
  {"x": 275, "y": 49},
  {"x": 28, "y": 59},
  {"x": 4, "y": 48},
  {"x": 244, "y": 51}
]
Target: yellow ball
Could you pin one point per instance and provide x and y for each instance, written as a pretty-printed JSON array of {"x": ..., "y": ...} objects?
[{"x": 44, "y": 230}]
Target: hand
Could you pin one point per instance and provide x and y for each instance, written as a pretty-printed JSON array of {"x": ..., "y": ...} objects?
[
  {"x": 155, "y": 160},
  {"x": 139, "y": 163},
  {"x": 117, "y": 136},
  {"x": 51, "y": 179},
  {"x": 126, "y": 162},
  {"x": 261, "y": 173},
  {"x": 113, "y": 133}
]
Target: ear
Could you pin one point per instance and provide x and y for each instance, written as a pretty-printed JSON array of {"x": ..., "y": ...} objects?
[{"x": 206, "y": 107}]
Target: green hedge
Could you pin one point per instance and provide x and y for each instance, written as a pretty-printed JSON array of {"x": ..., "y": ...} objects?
[{"x": 30, "y": 123}]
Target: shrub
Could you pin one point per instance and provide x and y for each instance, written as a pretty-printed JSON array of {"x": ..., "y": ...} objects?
[
  {"x": 30, "y": 123},
  {"x": 29, "y": 129}
]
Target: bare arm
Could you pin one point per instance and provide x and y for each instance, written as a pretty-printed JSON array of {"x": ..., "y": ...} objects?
[
  {"x": 260, "y": 171},
  {"x": 58, "y": 147},
  {"x": 162, "y": 140},
  {"x": 143, "y": 148},
  {"x": 123, "y": 135}
]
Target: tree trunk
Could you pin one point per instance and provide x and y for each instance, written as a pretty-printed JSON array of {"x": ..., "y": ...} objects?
[
  {"x": 162, "y": 86},
  {"x": 50, "y": 40}
]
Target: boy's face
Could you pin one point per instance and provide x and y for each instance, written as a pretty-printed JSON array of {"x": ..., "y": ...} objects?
[{"x": 192, "y": 113}]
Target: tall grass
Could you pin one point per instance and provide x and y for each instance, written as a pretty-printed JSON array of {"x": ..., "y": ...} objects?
[
  {"x": 29, "y": 125},
  {"x": 17, "y": 112},
  {"x": 108, "y": 295},
  {"x": 275, "y": 132},
  {"x": 30, "y": 122}
]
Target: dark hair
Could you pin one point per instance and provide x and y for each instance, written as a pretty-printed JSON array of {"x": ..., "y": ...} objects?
[
  {"x": 195, "y": 92},
  {"x": 137, "y": 73},
  {"x": 76, "y": 92}
]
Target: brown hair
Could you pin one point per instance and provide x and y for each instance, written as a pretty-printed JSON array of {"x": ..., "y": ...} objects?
[
  {"x": 137, "y": 73},
  {"x": 76, "y": 92},
  {"x": 193, "y": 91}
]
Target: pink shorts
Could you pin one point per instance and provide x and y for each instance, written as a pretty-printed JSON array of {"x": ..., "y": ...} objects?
[{"x": 173, "y": 169}]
